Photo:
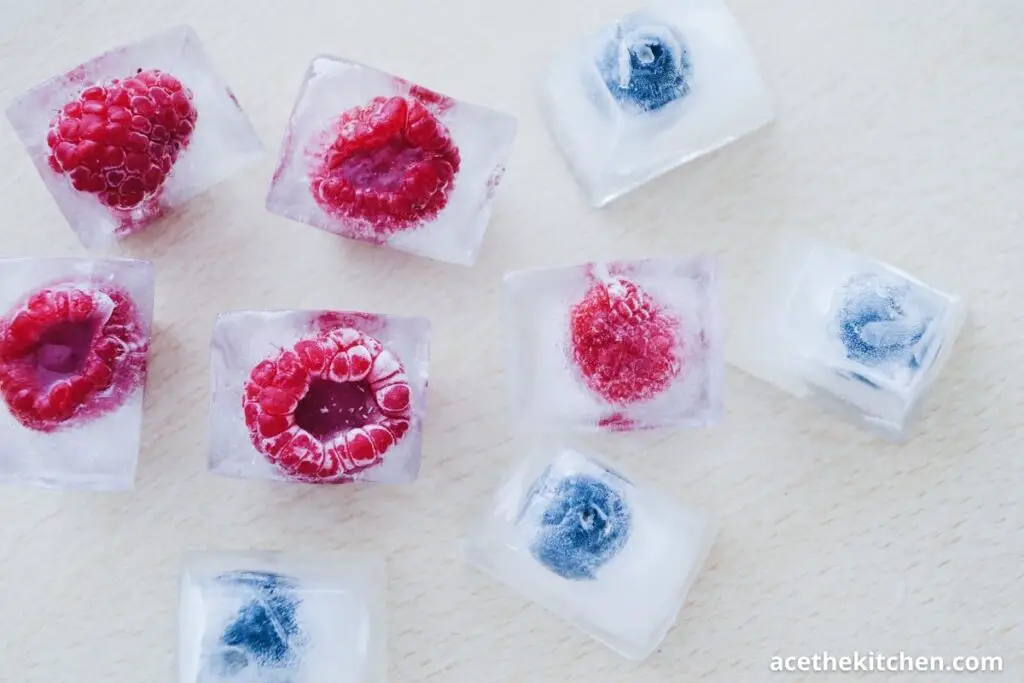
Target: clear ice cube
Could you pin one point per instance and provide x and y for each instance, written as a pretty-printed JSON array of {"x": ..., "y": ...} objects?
[
  {"x": 74, "y": 343},
  {"x": 619, "y": 345},
  {"x": 318, "y": 396},
  {"x": 661, "y": 87},
  {"x": 856, "y": 335},
  {"x": 264, "y": 617},
  {"x": 114, "y": 137},
  {"x": 613, "y": 558},
  {"x": 372, "y": 157}
]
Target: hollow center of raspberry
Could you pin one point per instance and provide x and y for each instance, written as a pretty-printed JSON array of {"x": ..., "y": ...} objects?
[
  {"x": 329, "y": 408},
  {"x": 64, "y": 347},
  {"x": 383, "y": 168}
]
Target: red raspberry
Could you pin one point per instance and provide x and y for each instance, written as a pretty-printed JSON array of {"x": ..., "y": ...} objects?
[
  {"x": 121, "y": 139},
  {"x": 71, "y": 352},
  {"x": 329, "y": 407},
  {"x": 390, "y": 167},
  {"x": 626, "y": 348}
]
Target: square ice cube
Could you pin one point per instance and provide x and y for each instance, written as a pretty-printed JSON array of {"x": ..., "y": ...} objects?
[
  {"x": 132, "y": 134},
  {"x": 264, "y": 617},
  {"x": 372, "y": 157},
  {"x": 322, "y": 397},
  {"x": 613, "y": 558},
  {"x": 856, "y": 335},
  {"x": 74, "y": 344},
  {"x": 661, "y": 87},
  {"x": 619, "y": 345}
]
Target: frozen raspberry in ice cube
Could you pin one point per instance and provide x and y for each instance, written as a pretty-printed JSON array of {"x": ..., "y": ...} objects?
[
  {"x": 614, "y": 346},
  {"x": 319, "y": 397},
  {"x": 74, "y": 340},
  {"x": 372, "y": 157},
  {"x": 650, "y": 92},
  {"x": 131, "y": 134},
  {"x": 625, "y": 346},
  {"x": 119, "y": 140}
]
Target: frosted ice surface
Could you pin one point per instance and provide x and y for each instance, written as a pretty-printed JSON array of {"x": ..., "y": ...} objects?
[
  {"x": 272, "y": 618},
  {"x": 333, "y": 87},
  {"x": 657, "y": 89},
  {"x": 611, "y": 557},
  {"x": 92, "y": 452},
  {"x": 222, "y": 143},
  {"x": 855, "y": 334},
  {"x": 575, "y": 363},
  {"x": 244, "y": 339}
]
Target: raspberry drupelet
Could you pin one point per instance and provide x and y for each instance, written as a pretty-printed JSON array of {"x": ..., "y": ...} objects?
[
  {"x": 120, "y": 140},
  {"x": 329, "y": 407},
  {"x": 626, "y": 348},
  {"x": 71, "y": 353},
  {"x": 390, "y": 166}
]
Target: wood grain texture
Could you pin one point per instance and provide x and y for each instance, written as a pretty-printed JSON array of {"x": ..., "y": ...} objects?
[{"x": 900, "y": 133}]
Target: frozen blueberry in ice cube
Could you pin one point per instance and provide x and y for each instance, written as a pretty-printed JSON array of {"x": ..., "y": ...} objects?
[
  {"x": 612, "y": 557},
  {"x": 650, "y": 92},
  {"x": 372, "y": 157},
  {"x": 618, "y": 346},
  {"x": 857, "y": 335},
  {"x": 265, "y": 617},
  {"x": 133, "y": 133},
  {"x": 318, "y": 397},
  {"x": 647, "y": 66},
  {"x": 265, "y": 633},
  {"x": 585, "y": 526},
  {"x": 74, "y": 343}
]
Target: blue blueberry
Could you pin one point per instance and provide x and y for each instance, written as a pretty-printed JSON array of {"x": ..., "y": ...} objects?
[
  {"x": 646, "y": 67},
  {"x": 585, "y": 525},
  {"x": 265, "y": 632},
  {"x": 878, "y": 324}
]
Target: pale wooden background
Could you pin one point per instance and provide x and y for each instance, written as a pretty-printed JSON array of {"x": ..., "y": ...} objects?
[{"x": 900, "y": 132}]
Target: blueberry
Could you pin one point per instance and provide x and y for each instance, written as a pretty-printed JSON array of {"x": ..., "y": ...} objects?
[
  {"x": 585, "y": 525},
  {"x": 646, "y": 67},
  {"x": 265, "y": 632},
  {"x": 877, "y": 324}
]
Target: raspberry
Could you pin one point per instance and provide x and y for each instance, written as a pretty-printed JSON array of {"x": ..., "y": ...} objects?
[
  {"x": 120, "y": 140},
  {"x": 626, "y": 348},
  {"x": 390, "y": 167},
  {"x": 71, "y": 352},
  {"x": 329, "y": 407}
]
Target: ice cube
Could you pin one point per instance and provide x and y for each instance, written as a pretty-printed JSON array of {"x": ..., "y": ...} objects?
[
  {"x": 856, "y": 335},
  {"x": 263, "y": 617},
  {"x": 132, "y": 134},
  {"x": 74, "y": 343},
  {"x": 372, "y": 157},
  {"x": 619, "y": 345},
  {"x": 611, "y": 557},
  {"x": 322, "y": 397},
  {"x": 660, "y": 87}
]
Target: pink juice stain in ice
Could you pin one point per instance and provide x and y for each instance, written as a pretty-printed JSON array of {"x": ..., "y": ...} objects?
[
  {"x": 70, "y": 354},
  {"x": 389, "y": 166},
  {"x": 329, "y": 407},
  {"x": 626, "y": 347}
]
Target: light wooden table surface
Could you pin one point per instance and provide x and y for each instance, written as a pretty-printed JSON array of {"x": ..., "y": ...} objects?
[{"x": 900, "y": 133}]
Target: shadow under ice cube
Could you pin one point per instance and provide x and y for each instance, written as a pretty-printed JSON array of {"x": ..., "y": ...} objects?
[
  {"x": 320, "y": 397},
  {"x": 372, "y": 157},
  {"x": 620, "y": 346},
  {"x": 614, "y": 559},
  {"x": 132, "y": 134},
  {"x": 270, "y": 618},
  {"x": 74, "y": 347},
  {"x": 657, "y": 89},
  {"x": 856, "y": 335}
]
